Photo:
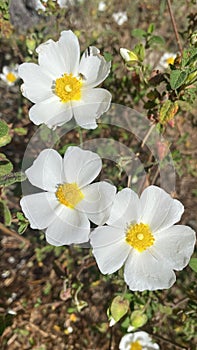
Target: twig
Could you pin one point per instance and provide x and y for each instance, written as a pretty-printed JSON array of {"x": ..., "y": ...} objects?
[
  {"x": 155, "y": 177},
  {"x": 169, "y": 342},
  {"x": 110, "y": 339},
  {"x": 174, "y": 26},
  {"x": 7, "y": 231},
  {"x": 147, "y": 135}
]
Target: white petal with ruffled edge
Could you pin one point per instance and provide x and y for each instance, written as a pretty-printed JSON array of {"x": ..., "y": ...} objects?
[
  {"x": 68, "y": 45},
  {"x": 31, "y": 74},
  {"x": 109, "y": 248},
  {"x": 51, "y": 112},
  {"x": 97, "y": 202},
  {"x": 93, "y": 67},
  {"x": 175, "y": 245},
  {"x": 69, "y": 227},
  {"x": 81, "y": 166},
  {"x": 159, "y": 209},
  {"x": 40, "y": 209},
  {"x": 93, "y": 104},
  {"x": 143, "y": 271},
  {"x": 46, "y": 171},
  {"x": 50, "y": 59},
  {"x": 125, "y": 209},
  {"x": 142, "y": 337}
]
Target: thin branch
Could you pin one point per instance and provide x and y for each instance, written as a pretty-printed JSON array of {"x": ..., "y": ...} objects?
[
  {"x": 7, "y": 231},
  {"x": 169, "y": 342},
  {"x": 174, "y": 26},
  {"x": 147, "y": 135},
  {"x": 110, "y": 339}
]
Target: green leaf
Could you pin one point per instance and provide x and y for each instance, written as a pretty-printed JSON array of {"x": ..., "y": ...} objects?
[
  {"x": 156, "y": 39},
  {"x": 193, "y": 264},
  {"x": 4, "y": 140},
  {"x": 5, "y": 165},
  {"x": 5, "y": 213},
  {"x": 138, "y": 33},
  {"x": 138, "y": 318},
  {"x": 20, "y": 131},
  {"x": 108, "y": 56},
  {"x": 3, "y": 129},
  {"x": 139, "y": 51},
  {"x": 151, "y": 28},
  {"x": 168, "y": 111},
  {"x": 177, "y": 78},
  {"x": 20, "y": 216},
  {"x": 119, "y": 308},
  {"x": 22, "y": 228},
  {"x": 12, "y": 178},
  {"x": 189, "y": 57}
]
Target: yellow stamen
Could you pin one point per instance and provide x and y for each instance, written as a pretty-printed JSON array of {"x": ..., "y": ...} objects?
[
  {"x": 11, "y": 78},
  {"x": 139, "y": 236},
  {"x": 69, "y": 194},
  {"x": 170, "y": 60},
  {"x": 68, "y": 88},
  {"x": 136, "y": 346}
]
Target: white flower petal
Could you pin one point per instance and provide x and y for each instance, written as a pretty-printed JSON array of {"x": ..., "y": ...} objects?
[
  {"x": 109, "y": 248},
  {"x": 97, "y": 202},
  {"x": 125, "y": 210},
  {"x": 51, "y": 112},
  {"x": 40, "y": 209},
  {"x": 94, "y": 103},
  {"x": 142, "y": 337},
  {"x": 93, "y": 67},
  {"x": 69, "y": 227},
  {"x": 46, "y": 171},
  {"x": 145, "y": 272},
  {"x": 69, "y": 49},
  {"x": 159, "y": 209},
  {"x": 51, "y": 60},
  {"x": 37, "y": 85},
  {"x": 81, "y": 166},
  {"x": 175, "y": 245}
]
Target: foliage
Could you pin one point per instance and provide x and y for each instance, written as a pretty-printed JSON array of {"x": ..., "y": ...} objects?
[{"x": 164, "y": 96}]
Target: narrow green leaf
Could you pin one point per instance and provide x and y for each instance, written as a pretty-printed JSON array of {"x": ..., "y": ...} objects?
[
  {"x": 177, "y": 78},
  {"x": 151, "y": 28},
  {"x": 12, "y": 178},
  {"x": 5, "y": 213},
  {"x": 193, "y": 264}
]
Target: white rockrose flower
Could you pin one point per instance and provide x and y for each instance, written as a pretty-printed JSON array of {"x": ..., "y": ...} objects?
[
  {"x": 10, "y": 75},
  {"x": 62, "y": 85},
  {"x": 102, "y": 6},
  {"x": 137, "y": 341},
  {"x": 141, "y": 235},
  {"x": 120, "y": 17},
  {"x": 39, "y": 5},
  {"x": 68, "y": 201},
  {"x": 167, "y": 59}
]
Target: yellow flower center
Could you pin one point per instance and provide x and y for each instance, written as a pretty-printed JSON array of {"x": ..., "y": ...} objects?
[
  {"x": 170, "y": 60},
  {"x": 69, "y": 194},
  {"x": 11, "y": 78},
  {"x": 136, "y": 346},
  {"x": 68, "y": 88},
  {"x": 139, "y": 236}
]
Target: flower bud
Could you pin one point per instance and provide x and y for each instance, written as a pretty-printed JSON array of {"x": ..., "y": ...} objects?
[{"x": 128, "y": 56}]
